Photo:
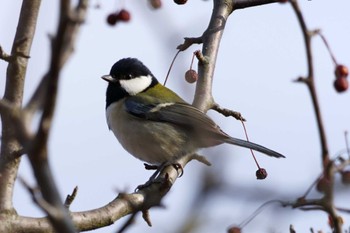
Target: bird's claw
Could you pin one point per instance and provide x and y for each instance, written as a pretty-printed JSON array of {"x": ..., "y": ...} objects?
[{"x": 153, "y": 179}]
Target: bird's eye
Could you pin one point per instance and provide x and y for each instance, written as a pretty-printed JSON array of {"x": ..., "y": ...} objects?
[{"x": 129, "y": 76}]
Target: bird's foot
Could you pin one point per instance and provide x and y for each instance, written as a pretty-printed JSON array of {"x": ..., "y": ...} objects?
[
  {"x": 159, "y": 169},
  {"x": 178, "y": 167}
]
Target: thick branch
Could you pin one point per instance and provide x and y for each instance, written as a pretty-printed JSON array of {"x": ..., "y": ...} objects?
[
  {"x": 123, "y": 205},
  {"x": 240, "y": 4},
  {"x": 15, "y": 76},
  {"x": 211, "y": 38},
  {"x": 62, "y": 47}
]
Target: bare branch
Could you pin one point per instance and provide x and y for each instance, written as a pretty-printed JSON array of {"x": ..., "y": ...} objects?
[
  {"x": 61, "y": 49},
  {"x": 15, "y": 76},
  {"x": 189, "y": 41},
  {"x": 146, "y": 217},
  {"x": 201, "y": 58},
  {"x": 211, "y": 40},
  {"x": 309, "y": 81},
  {"x": 4, "y": 56},
  {"x": 35, "y": 193},
  {"x": 70, "y": 197},
  {"x": 241, "y": 4},
  {"x": 121, "y": 206},
  {"x": 227, "y": 112}
]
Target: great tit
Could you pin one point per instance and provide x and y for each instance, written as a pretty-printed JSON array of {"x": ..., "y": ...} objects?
[{"x": 153, "y": 123}]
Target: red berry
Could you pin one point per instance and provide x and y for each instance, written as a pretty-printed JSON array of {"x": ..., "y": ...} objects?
[
  {"x": 124, "y": 15},
  {"x": 330, "y": 221},
  {"x": 323, "y": 185},
  {"x": 345, "y": 177},
  {"x": 341, "y": 84},
  {"x": 191, "y": 76},
  {"x": 341, "y": 71},
  {"x": 156, "y": 4},
  {"x": 261, "y": 174},
  {"x": 112, "y": 19},
  {"x": 234, "y": 230},
  {"x": 180, "y": 2}
]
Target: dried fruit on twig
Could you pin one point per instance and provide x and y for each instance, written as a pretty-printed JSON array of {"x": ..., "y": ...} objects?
[
  {"x": 180, "y": 2},
  {"x": 112, "y": 19},
  {"x": 191, "y": 76},
  {"x": 156, "y": 4},
  {"x": 234, "y": 230},
  {"x": 122, "y": 15},
  {"x": 261, "y": 174},
  {"x": 341, "y": 71},
  {"x": 323, "y": 185},
  {"x": 341, "y": 84},
  {"x": 345, "y": 177}
]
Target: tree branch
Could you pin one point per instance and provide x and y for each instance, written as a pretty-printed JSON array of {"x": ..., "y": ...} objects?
[
  {"x": 211, "y": 38},
  {"x": 61, "y": 49},
  {"x": 4, "y": 56},
  {"x": 121, "y": 206},
  {"x": 310, "y": 82},
  {"x": 241, "y": 4},
  {"x": 15, "y": 76}
]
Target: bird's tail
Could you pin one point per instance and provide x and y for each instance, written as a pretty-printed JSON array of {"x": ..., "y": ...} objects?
[{"x": 253, "y": 146}]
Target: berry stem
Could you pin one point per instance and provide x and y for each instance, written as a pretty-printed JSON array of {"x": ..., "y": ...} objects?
[
  {"x": 171, "y": 66},
  {"x": 347, "y": 143},
  {"x": 251, "y": 151},
  {"x": 194, "y": 53},
  {"x": 257, "y": 211},
  {"x": 327, "y": 46}
]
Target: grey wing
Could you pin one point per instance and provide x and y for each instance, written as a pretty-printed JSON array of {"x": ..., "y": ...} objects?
[
  {"x": 197, "y": 124},
  {"x": 181, "y": 114}
]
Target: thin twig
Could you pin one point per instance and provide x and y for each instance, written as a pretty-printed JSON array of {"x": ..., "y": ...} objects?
[
  {"x": 35, "y": 194},
  {"x": 188, "y": 42},
  {"x": 61, "y": 49},
  {"x": 227, "y": 112},
  {"x": 146, "y": 216},
  {"x": 347, "y": 143},
  {"x": 128, "y": 223},
  {"x": 241, "y": 4},
  {"x": 70, "y": 197},
  {"x": 256, "y": 212},
  {"x": 310, "y": 81},
  {"x": 312, "y": 185},
  {"x": 4, "y": 56}
]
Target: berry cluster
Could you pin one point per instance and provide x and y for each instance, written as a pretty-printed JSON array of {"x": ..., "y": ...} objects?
[
  {"x": 341, "y": 82},
  {"x": 119, "y": 16},
  {"x": 125, "y": 16}
]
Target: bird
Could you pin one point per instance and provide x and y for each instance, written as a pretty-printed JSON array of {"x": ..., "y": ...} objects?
[{"x": 156, "y": 125}]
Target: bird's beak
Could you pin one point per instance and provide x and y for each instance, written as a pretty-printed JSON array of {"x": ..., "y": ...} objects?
[{"x": 108, "y": 78}]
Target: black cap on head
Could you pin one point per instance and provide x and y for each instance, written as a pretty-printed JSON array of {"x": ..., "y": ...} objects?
[
  {"x": 119, "y": 83},
  {"x": 128, "y": 68}
]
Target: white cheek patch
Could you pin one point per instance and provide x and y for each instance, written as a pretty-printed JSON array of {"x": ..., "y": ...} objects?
[{"x": 136, "y": 85}]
